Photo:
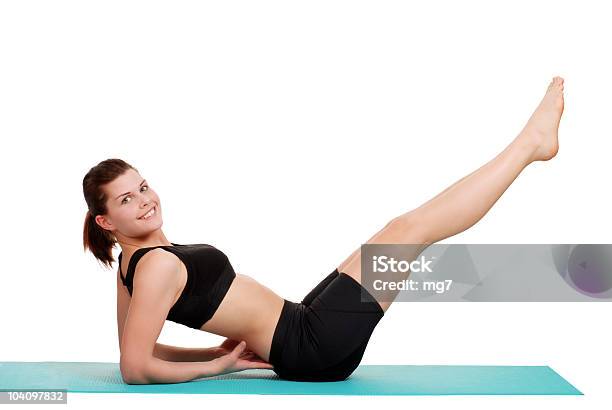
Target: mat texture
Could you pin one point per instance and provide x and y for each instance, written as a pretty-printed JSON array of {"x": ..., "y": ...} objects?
[{"x": 371, "y": 380}]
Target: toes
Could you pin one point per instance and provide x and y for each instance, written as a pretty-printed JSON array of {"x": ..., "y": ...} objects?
[
  {"x": 556, "y": 83},
  {"x": 558, "y": 80}
]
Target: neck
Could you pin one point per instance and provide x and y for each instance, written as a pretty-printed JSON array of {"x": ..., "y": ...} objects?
[{"x": 129, "y": 245}]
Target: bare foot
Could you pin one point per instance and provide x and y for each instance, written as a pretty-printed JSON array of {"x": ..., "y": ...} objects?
[{"x": 541, "y": 131}]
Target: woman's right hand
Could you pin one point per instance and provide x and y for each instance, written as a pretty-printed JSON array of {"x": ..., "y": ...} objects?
[{"x": 237, "y": 360}]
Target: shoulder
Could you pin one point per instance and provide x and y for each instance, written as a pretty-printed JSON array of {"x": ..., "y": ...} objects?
[{"x": 157, "y": 268}]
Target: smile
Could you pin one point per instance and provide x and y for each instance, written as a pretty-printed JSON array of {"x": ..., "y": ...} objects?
[{"x": 149, "y": 214}]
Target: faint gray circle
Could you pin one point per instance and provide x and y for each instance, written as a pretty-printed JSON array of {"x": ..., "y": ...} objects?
[{"x": 587, "y": 268}]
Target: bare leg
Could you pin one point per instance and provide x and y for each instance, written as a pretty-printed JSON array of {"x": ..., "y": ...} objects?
[{"x": 465, "y": 202}]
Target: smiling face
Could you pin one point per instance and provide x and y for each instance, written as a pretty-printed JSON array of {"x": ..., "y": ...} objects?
[{"x": 129, "y": 199}]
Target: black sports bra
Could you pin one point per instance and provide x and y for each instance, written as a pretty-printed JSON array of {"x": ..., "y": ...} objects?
[{"x": 209, "y": 276}]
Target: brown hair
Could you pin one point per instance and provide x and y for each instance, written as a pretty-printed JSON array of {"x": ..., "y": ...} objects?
[{"x": 100, "y": 241}]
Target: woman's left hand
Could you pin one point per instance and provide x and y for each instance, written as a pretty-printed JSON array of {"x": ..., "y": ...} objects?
[{"x": 228, "y": 346}]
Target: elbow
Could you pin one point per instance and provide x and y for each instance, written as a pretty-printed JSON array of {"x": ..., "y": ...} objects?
[
  {"x": 132, "y": 371},
  {"x": 134, "y": 380}
]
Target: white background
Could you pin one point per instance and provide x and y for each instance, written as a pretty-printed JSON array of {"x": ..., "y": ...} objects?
[{"x": 286, "y": 133}]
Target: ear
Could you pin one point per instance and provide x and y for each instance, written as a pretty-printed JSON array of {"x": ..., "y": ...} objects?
[{"x": 102, "y": 222}]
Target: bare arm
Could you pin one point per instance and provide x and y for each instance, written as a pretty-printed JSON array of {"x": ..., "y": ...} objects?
[
  {"x": 162, "y": 371},
  {"x": 186, "y": 354}
]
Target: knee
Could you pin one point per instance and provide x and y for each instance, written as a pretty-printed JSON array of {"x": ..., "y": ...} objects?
[{"x": 409, "y": 228}]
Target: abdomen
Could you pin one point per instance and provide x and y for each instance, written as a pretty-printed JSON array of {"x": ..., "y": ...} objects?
[{"x": 249, "y": 311}]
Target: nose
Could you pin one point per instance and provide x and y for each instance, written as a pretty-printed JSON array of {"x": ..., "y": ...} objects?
[{"x": 146, "y": 202}]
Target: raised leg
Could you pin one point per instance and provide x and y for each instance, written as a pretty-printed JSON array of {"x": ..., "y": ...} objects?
[{"x": 464, "y": 203}]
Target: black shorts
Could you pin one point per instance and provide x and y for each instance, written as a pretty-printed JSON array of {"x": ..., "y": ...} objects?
[{"x": 324, "y": 337}]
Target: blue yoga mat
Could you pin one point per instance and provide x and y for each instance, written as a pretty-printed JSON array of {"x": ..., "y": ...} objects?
[{"x": 370, "y": 380}]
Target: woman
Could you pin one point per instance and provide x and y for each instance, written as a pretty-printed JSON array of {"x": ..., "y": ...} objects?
[{"x": 323, "y": 337}]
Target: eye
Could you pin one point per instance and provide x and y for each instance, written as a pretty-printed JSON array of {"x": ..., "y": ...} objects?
[{"x": 144, "y": 186}]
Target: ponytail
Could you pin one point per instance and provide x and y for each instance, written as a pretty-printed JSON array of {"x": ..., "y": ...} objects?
[{"x": 99, "y": 241}]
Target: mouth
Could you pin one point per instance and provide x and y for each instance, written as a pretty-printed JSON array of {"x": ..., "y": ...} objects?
[{"x": 149, "y": 214}]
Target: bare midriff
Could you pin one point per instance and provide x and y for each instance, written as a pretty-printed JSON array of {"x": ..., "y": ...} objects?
[{"x": 249, "y": 312}]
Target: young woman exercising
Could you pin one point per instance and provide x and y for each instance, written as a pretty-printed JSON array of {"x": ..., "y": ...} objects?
[{"x": 322, "y": 338}]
